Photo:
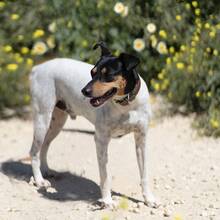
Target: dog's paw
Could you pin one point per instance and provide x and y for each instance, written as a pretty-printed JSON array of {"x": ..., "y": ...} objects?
[
  {"x": 107, "y": 203},
  {"x": 42, "y": 183},
  {"x": 151, "y": 201}
]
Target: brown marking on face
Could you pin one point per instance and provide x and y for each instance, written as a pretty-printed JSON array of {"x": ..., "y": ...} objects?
[
  {"x": 100, "y": 88},
  {"x": 121, "y": 83}
]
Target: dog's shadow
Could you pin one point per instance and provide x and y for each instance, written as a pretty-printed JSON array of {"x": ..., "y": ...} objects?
[{"x": 67, "y": 186}]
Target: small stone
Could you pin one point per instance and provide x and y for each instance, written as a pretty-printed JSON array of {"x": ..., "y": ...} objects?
[
  {"x": 173, "y": 180},
  {"x": 177, "y": 202},
  {"x": 212, "y": 168},
  {"x": 135, "y": 210},
  {"x": 167, "y": 187},
  {"x": 211, "y": 206},
  {"x": 51, "y": 190},
  {"x": 140, "y": 205},
  {"x": 195, "y": 197},
  {"x": 166, "y": 212},
  {"x": 152, "y": 212},
  {"x": 204, "y": 214},
  {"x": 212, "y": 213}
]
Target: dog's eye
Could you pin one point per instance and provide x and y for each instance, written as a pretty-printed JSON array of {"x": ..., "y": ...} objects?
[{"x": 94, "y": 72}]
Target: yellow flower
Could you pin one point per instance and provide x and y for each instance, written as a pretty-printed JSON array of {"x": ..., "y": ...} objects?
[
  {"x": 19, "y": 59},
  {"x": 215, "y": 52},
  {"x": 160, "y": 76},
  {"x": 198, "y": 94},
  {"x": 123, "y": 204},
  {"x": 27, "y": 98},
  {"x": 190, "y": 68},
  {"x": 168, "y": 61},
  {"x": 197, "y": 11},
  {"x": 29, "y": 62},
  {"x": 214, "y": 123},
  {"x": 178, "y": 17},
  {"x": 151, "y": 28},
  {"x": 12, "y": 67},
  {"x": 196, "y": 38},
  {"x": 15, "y": 17},
  {"x": 125, "y": 12},
  {"x": 156, "y": 86},
  {"x": 212, "y": 34},
  {"x": 38, "y": 33},
  {"x": 153, "y": 41},
  {"x": 138, "y": 44},
  {"x": 180, "y": 65},
  {"x": 105, "y": 217},
  {"x": 193, "y": 43},
  {"x": 170, "y": 95},
  {"x": 172, "y": 50},
  {"x": 20, "y": 37},
  {"x": 51, "y": 42},
  {"x": 192, "y": 50},
  {"x": 177, "y": 217},
  {"x": 7, "y": 48},
  {"x": 69, "y": 24},
  {"x": 163, "y": 34},
  {"x": 174, "y": 37},
  {"x": 119, "y": 8},
  {"x": 209, "y": 94},
  {"x": 218, "y": 26},
  {"x": 85, "y": 43},
  {"x": 24, "y": 50},
  {"x": 52, "y": 27},
  {"x": 208, "y": 49},
  {"x": 182, "y": 47},
  {"x": 207, "y": 25},
  {"x": 2, "y": 4},
  {"x": 187, "y": 6},
  {"x": 162, "y": 47},
  {"x": 195, "y": 4},
  {"x": 39, "y": 48}
]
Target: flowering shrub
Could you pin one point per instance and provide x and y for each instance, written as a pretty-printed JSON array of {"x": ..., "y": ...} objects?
[{"x": 177, "y": 42}]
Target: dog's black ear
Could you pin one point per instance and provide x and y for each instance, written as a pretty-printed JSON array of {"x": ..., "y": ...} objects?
[
  {"x": 129, "y": 61},
  {"x": 104, "y": 50}
]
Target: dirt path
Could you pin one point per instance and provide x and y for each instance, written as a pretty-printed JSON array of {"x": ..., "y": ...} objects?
[{"x": 185, "y": 174}]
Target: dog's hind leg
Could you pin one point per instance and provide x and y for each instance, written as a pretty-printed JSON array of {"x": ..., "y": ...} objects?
[
  {"x": 58, "y": 119},
  {"x": 41, "y": 126}
]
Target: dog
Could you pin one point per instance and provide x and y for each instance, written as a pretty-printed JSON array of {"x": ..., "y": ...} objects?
[{"x": 111, "y": 95}]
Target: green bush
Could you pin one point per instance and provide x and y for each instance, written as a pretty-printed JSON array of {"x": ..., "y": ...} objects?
[{"x": 177, "y": 42}]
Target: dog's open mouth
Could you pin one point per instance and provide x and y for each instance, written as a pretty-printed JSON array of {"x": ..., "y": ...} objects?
[{"x": 97, "y": 101}]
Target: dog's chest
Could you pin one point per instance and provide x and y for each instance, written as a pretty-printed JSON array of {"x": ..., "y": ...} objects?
[{"x": 125, "y": 124}]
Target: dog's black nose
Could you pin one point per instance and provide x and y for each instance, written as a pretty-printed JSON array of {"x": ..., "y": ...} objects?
[{"x": 87, "y": 91}]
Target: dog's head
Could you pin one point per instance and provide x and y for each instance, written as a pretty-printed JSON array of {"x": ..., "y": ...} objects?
[{"x": 110, "y": 76}]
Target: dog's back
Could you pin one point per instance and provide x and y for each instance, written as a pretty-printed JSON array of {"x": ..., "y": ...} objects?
[{"x": 61, "y": 79}]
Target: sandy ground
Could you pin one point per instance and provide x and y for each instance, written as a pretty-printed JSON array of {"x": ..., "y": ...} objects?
[{"x": 184, "y": 174}]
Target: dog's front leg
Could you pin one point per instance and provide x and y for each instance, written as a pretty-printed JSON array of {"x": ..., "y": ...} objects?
[
  {"x": 141, "y": 151},
  {"x": 102, "y": 140}
]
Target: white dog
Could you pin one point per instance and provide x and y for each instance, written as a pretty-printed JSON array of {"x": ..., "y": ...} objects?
[{"x": 118, "y": 104}]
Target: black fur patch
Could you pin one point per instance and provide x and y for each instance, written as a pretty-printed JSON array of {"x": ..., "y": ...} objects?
[{"x": 61, "y": 105}]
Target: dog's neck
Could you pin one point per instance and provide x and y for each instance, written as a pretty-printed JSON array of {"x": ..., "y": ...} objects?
[{"x": 131, "y": 89}]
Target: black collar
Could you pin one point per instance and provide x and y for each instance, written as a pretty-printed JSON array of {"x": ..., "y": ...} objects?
[{"x": 131, "y": 95}]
